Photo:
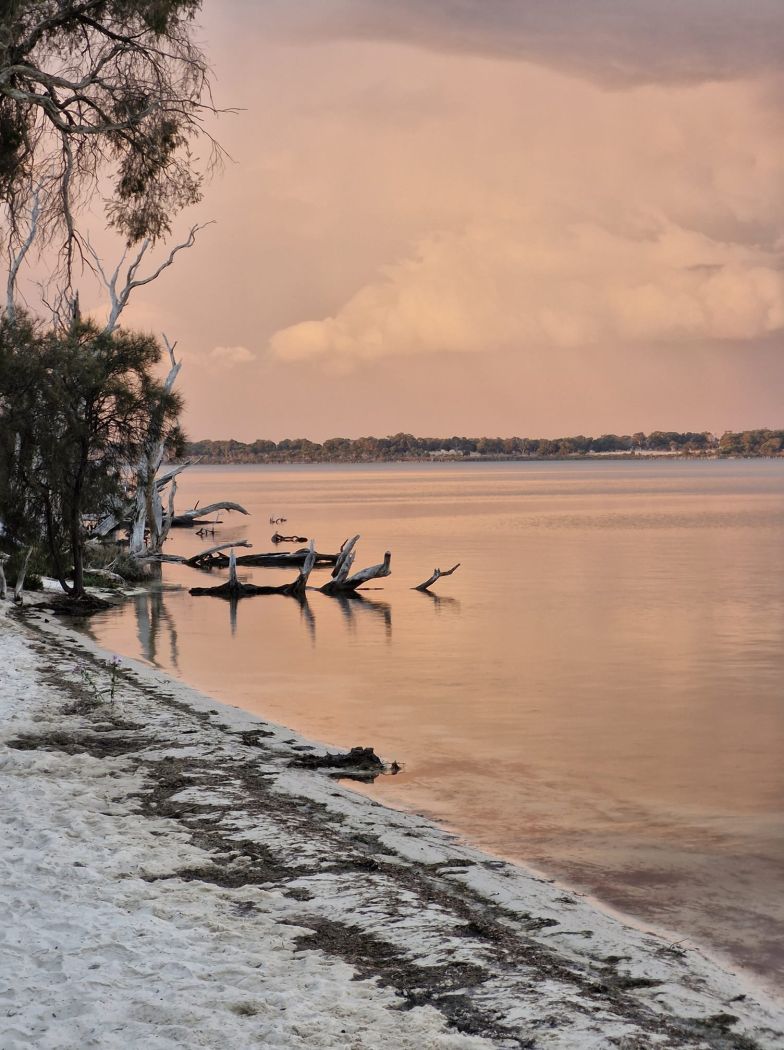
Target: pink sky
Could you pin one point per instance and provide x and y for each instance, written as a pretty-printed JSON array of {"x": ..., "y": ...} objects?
[{"x": 479, "y": 217}]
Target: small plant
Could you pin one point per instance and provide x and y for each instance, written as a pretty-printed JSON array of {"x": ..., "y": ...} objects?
[{"x": 88, "y": 679}]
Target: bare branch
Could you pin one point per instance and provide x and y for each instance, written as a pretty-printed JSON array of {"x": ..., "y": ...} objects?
[
  {"x": 437, "y": 574},
  {"x": 16, "y": 259}
]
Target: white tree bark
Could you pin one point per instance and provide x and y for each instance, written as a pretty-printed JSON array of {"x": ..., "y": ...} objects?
[
  {"x": 196, "y": 513},
  {"x": 342, "y": 582},
  {"x": 148, "y": 513},
  {"x": 19, "y": 587},
  {"x": 119, "y": 295},
  {"x": 3, "y": 584},
  {"x": 16, "y": 259}
]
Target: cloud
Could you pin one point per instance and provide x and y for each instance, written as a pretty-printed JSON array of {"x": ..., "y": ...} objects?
[
  {"x": 615, "y": 42},
  {"x": 535, "y": 284},
  {"x": 231, "y": 355}
]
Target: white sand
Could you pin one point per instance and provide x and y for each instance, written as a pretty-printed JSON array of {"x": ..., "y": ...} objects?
[{"x": 164, "y": 897}]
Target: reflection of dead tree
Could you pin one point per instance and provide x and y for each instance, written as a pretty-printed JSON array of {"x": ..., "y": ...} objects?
[
  {"x": 151, "y": 615},
  {"x": 437, "y": 574},
  {"x": 351, "y": 602},
  {"x": 20, "y": 577}
]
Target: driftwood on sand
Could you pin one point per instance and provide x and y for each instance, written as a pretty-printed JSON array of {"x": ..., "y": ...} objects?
[
  {"x": 437, "y": 574},
  {"x": 360, "y": 763}
]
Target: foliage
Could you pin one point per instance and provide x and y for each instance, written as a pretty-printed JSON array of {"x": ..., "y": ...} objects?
[
  {"x": 75, "y": 408},
  {"x": 88, "y": 679},
  {"x": 93, "y": 86}
]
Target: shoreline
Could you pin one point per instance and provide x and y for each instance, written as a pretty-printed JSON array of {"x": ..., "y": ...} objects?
[{"x": 451, "y": 947}]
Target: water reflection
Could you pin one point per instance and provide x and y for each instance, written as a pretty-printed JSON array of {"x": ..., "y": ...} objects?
[
  {"x": 351, "y": 604},
  {"x": 443, "y": 603},
  {"x": 154, "y": 620}
]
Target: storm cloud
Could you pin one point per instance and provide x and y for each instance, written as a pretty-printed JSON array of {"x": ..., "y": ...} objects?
[{"x": 614, "y": 42}]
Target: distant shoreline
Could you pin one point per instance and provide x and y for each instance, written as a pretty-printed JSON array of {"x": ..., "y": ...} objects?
[
  {"x": 404, "y": 448},
  {"x": 625, "y": 457}
]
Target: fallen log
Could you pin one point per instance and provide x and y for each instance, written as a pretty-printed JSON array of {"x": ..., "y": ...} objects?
[
  {"x": 437, "y": 574},
  {"x": 208, "y": 559},
  {"x": 277, "y": 538},
  {"x": 234, "y": 589},
  {"x": 275, "y": 559},
  {"x": 198, "y": 515},
  {"x": 360, "y": 763}
]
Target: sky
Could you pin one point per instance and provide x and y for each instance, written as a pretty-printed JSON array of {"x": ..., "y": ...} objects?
[{"x": 486, "y": 217}]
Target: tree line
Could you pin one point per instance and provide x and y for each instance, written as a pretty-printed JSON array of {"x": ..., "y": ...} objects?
[{"x": 406, "y": 446}]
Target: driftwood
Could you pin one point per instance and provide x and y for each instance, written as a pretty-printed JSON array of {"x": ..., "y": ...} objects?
[
  {"x": 274, "y": 559},
  {"x": 197, "y": 515},
  {"x": 234, "y": 589},
  {"x": 277, "y": 538},
  {"x": 209, "y": 559},
  {"x": 342, "y": 582},
  {"x": 360, "y": 763},
  {"x": 437, "y": 574}
]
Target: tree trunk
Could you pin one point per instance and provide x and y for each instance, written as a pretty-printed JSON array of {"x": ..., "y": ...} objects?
[
  {"x": 53, "y": 547},
  {"x": 20, "y": 577}
]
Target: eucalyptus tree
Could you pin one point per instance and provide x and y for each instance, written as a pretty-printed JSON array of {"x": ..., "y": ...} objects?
[
  {"x": 74, "y": 406},
  {"x": 100, "y": 88}
]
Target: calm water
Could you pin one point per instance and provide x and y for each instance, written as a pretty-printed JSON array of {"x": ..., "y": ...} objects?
[{"x": 597, "y": 692}]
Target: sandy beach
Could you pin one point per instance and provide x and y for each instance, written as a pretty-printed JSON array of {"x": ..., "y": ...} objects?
[{"x": 170, "y": 879}]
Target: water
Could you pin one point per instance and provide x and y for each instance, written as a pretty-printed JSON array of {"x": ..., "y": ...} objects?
[{"x": 597, "y": 692}]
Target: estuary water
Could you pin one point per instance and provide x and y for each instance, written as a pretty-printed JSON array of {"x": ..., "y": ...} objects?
[{"x": 597, "y": 692}]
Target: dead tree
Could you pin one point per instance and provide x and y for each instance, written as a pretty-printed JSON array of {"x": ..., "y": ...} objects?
[
  {"x": 234, "y": 589},
  {"x": 149, "y": 524},
  {"x": 188, "y": 518},
  {"x": 3, "y": 584},
  {"x": 437, "y": 574},
  {"x": 277, "y": 538},
  {"x": 344, "y": 583},
  {"x": 16, "y": 258},
  {"x": 207, "y": 559}
]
